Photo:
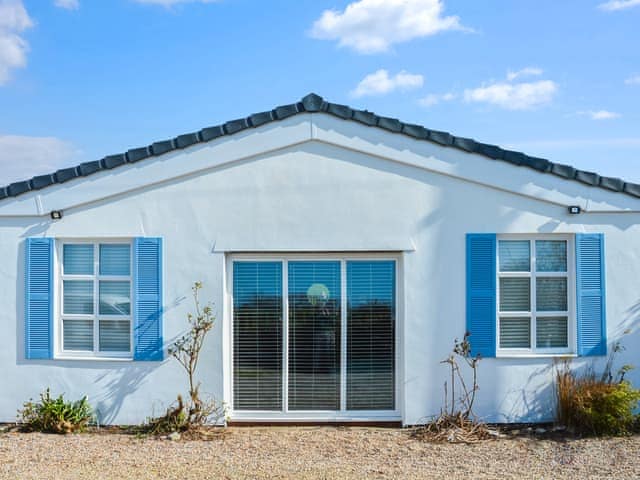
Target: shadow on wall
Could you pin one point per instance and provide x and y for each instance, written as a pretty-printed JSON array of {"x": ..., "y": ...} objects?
[{"x": 537, "y": 396}]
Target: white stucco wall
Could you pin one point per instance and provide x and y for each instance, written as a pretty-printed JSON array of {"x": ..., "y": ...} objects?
[{"x": 313, "y": 183}]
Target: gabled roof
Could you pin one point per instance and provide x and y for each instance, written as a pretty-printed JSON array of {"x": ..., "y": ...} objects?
[{"x": 314, "y": 103}]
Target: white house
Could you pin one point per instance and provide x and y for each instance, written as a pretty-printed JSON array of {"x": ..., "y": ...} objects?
[{"x": 344, "y": 253}]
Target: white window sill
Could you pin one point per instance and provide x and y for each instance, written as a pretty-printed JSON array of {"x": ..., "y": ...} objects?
[
  {"x": 536, "y": 355},
  {"x": 93, "y": 359},
  {"x": 314, "y": 416}
]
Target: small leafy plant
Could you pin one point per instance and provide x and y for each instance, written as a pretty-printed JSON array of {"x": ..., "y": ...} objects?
[
  {"x": 55, "y": 415},
  {"x": 197, "y": 411},
  {"x": 596, "y": 405}
]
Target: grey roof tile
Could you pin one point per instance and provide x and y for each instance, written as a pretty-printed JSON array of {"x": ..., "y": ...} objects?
[
  {"x": 17, "y": 188},
  {"x": 209, "y": 133},
  {"x": 315, "y": 103},
  {"x": 234, "y": 126},
  {"x": 186, "y": 140},
  {"x": 41, "y": 181},
  {"x": 490, "y": 151},
  {"x": 284, "y": 111},
  {"x": 537, "y": 163},
  {"x": 163, "y": 146},
  {"x": 610, "y": 183},
  {"x": 341, "y": 111},
  {"x": 137, "y": 154},
  {"x": 516, "y": 158},
  {"x": 66, "y": 174},
  {"x": 443, "y": 138},
  {"x": 588, "y": 178},
  {"x": 87, "y": 168},
  {"x": 113, "y": 161},
  {"x": 365, "y": 117},
  {"x": 415, "y": 131},
  {"x": 466, "y": 144},
  {"x": 631, "y": 189},
  {"x": 261, "y": 118},
  {"x": 564, "y": 171},
  {"x": 391, "y": 124}
]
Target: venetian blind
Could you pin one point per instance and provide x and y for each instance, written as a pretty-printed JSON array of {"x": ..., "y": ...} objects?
[
  {"x": 314, "y": 335},
  {"x": 257, "y": 335},
  {"x": 370, "y": 335}
]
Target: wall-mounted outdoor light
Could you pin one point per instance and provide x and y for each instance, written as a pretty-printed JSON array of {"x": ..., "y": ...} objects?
[
  {"x": 574, "y": 210},
  {"x": 56, "y": 214}
]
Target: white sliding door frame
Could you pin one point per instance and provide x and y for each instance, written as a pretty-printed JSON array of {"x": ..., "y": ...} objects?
[{"x": 341, "y": 415}]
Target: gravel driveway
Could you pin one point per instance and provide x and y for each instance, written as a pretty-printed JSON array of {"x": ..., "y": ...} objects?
[{"x": 311, "y": 452}]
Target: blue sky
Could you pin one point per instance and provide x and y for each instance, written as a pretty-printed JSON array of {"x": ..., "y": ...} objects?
[{"x": 80, "y": 79}]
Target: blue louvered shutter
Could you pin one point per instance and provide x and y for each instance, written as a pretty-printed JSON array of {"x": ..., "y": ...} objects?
[
  {"x": 481, "y": 293},
  {"x": 39, "y": 298},
  {"x": 590, "y": 283},
  {"x": 147, "y": 288}
]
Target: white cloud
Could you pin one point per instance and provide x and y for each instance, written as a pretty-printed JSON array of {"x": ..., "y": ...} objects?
[
  {"x": 380, "y": 83},
  {"x": 171, "y": 3},
  {"x": 633, "y": 80},
  {"x": 525, "y": 72},
  {"x": 613, "y": 5},
  {"x": 514, "y": 96},
  {"x": 599, "y": 114},
  {"x": 14, "y": 19},
  {"x": 373, "y": 26},
  {"x": 22, "y": 157},
  {"x": 67, "y": 4},
  {"x": 435, "y": 98}
]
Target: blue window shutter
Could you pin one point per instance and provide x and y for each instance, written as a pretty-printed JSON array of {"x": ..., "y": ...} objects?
[
  {"x": 38, "y": 330},
  {"x": 147, "y": 326},
  {"x": 481, "y": 293},
  {"x": 590, "y": 286}
]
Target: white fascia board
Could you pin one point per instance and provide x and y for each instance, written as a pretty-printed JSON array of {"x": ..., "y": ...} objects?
[
  {"x": 469, "y": 167},
  {"x": 156, "y": 170}
]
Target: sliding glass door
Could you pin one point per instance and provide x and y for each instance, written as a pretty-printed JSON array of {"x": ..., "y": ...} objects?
[{"x": 314, "y": 335}]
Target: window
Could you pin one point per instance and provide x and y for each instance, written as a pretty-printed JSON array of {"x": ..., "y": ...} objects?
[
  {"x": 534, "y": 304},
  {"x": 313, "y": 335},
  {"x": 95, "y": 299}
]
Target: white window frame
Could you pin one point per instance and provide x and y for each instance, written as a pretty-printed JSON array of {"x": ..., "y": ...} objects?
[
  {"x": 96, "y": 354},
  {"x": 533, "y": 274},
  {"x": 341, "y": 415}
]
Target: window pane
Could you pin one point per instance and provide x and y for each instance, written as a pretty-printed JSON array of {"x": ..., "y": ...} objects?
[
  {"x": 77, "y": 335},
  {"x": 551, "y": 332},
  {"x": 515, "y": 294},
  {"x": 115, "y": 298},
  {"x": 314, "y": 336},
  {"x": 551, "y": 294},
  {"x": 115, "y": 259},
  {"x": 551, "y": 255},
  {"x": 370, "y": 335},
  {"x": 114, "y": 336},
  {"x": 78, "y": 297},
  {"x": 514, "y": 255},
  {"x": 257, "y": 335},
  {"x": 515, "y": 332},
  {"x": 77, "y": 259}
]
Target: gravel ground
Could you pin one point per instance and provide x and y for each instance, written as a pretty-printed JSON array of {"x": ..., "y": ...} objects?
[{"x": 311, "y": 452}]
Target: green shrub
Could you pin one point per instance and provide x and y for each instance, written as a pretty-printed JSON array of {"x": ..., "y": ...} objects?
[
  {"x": 595, "y": 406},
  {"x": 55, "y": 415}
]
